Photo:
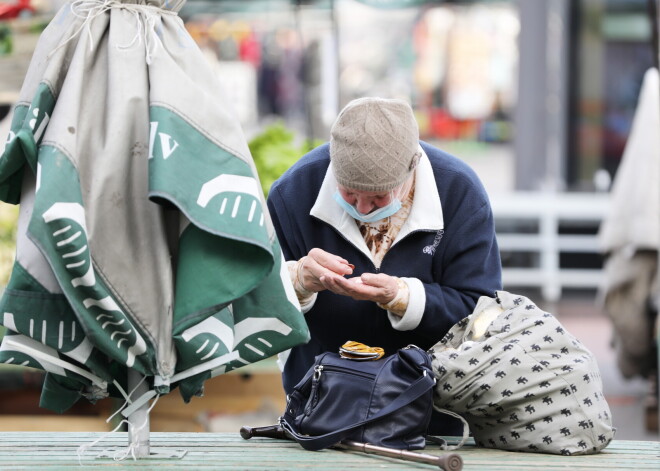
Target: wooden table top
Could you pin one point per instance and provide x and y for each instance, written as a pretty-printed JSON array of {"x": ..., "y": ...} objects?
[{"x": 51, "y": 451}]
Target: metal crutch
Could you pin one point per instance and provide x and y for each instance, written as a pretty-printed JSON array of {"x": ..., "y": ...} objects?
[{"x": 447, "y": 462}]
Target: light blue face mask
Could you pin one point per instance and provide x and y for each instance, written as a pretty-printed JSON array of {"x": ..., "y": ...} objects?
[{"x": 373, "y": 216}]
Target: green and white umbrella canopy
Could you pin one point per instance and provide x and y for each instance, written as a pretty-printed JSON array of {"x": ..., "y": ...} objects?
[{"x": 144, "y": 239}]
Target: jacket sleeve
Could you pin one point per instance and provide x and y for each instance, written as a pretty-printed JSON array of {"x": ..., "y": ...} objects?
[
  {"x": 468, "y": 268},
  {"x": 281, "y": 222},
  {"x": 284, "y": 230}
]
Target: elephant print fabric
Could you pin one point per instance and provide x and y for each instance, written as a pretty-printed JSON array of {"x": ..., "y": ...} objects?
[{"x": 521, "y": 381}]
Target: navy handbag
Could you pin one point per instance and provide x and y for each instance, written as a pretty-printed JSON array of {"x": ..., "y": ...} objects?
[{"x": 386, "y": 402}]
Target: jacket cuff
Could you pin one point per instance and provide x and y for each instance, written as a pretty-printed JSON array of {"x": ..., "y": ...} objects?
[
  {"x": 308, "y": 303},
  {"x": 416, "y": 304}
]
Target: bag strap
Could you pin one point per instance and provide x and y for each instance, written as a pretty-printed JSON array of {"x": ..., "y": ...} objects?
[
  {"x": 444, "y": 445},
  {"x": 415, "y": 390}
]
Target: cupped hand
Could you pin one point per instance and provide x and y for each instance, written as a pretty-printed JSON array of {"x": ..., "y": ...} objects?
[
  {"x": 318, "y": 263},
  {"x": 379, "y": 288}
]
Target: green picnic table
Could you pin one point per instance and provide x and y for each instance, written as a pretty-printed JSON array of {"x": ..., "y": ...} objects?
[{"x": 210, "y": 451}]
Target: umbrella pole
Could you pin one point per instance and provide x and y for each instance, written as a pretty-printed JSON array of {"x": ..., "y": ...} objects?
[
  {"x": 652, "y": 7},
  {"x": 138, "y": 420}
]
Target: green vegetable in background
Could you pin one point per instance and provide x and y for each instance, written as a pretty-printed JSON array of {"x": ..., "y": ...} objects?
[
  {"x": 6, "y": 44},
  {"x": 8, "y": 223},
  {"x": 274, "y": 151}
]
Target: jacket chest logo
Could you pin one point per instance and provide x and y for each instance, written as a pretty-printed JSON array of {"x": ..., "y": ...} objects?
[{"x": 430, "y": 249}]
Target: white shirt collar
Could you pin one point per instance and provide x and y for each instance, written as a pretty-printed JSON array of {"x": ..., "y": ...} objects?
[{"x": 425, "y": 214}]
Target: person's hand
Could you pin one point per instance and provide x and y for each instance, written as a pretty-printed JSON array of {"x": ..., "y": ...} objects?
[
  {"x": 379, "y": 288},
  {"x": 318, "y": 263}
]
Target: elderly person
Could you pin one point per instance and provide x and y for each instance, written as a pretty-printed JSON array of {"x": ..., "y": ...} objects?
[{"x": 389, "y": 241}]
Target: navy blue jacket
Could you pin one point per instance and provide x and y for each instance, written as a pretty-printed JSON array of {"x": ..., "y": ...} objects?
[{"x": 456, "y": 264}]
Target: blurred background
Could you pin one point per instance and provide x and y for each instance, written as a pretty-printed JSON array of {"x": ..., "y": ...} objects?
[{"x": 539, "y": 97}]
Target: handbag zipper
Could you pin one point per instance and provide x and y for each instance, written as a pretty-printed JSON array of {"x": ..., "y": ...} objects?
[
  {"x": 319, "y": 369},
  {"x": 316, "y": 379}
]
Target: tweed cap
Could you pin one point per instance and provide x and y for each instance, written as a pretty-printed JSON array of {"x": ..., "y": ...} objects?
[{"x": 374, "y": 144}]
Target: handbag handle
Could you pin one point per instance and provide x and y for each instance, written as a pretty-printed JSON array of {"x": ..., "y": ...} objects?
[{"x": 415, "y": 390}]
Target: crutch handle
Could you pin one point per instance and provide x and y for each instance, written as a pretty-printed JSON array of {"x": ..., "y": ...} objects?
[{"x": 269, "y": 431}]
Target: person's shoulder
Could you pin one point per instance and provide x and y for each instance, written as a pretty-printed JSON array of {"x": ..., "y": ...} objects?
[
  {"x": 308, "y": 171},
  {"x": 457, "y": 182},
  {"x": 449, "y": 167},
  {"x": 445, "y": 162}
]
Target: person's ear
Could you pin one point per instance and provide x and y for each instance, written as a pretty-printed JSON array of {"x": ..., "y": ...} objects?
[{"x": 415, "y": 161}]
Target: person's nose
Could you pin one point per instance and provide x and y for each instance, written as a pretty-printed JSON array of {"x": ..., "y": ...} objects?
[{"x": 364, "y": 205}]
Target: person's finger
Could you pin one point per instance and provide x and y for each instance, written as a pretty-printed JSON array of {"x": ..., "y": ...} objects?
[
  {"x": 352, "y": 287},
  {"x": 385, "y": 286},
  {"x": 377, "y": 279},
  {"x": 332, "y": 262},
  {"x": 332, "y": 282}
]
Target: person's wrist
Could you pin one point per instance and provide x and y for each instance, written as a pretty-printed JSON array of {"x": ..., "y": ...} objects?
[
  {"x": 299, "y": 280},
  {"x": 399, "y": 303}
]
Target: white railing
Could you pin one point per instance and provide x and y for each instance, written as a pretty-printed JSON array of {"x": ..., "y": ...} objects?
[{"x": 544, "y": 212}]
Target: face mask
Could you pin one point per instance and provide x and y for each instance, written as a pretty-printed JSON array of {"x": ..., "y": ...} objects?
[{"x": 373, "y": 216}]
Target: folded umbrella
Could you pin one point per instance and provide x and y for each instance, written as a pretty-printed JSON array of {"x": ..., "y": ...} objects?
[{"x": 144, "y": 241}]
